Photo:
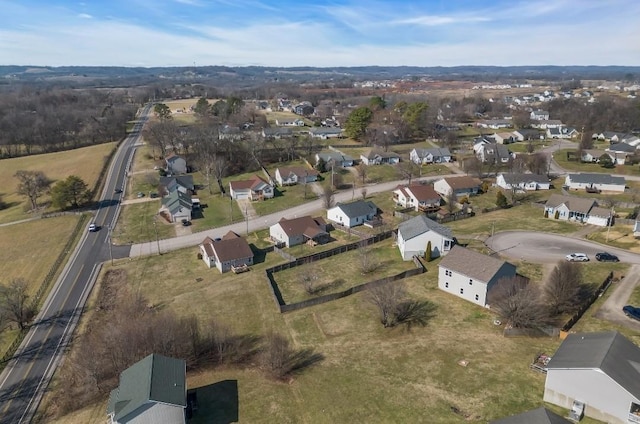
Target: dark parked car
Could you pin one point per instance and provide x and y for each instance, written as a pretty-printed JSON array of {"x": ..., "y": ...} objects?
[
  {"x": 186, "y": 222},
  {"x": 632, "y": 312},
  {"x": 606, "y": 257},
  {"x": 118, "y": 190}
]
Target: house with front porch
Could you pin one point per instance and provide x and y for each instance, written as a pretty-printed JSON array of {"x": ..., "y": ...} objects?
[
  {"x": 529, "y": 182},
  {"x": 255, "y": 188},
  {"x": 379, "y": 157},
  {"x": 334, "y": 158},
  {"x": 292, "y": 232},
  {"x": 415, "y": 233},
  {"x": 326, "y": 133},
  {"x": 229, "y": 251},
  {"x": 603, "y": 182},
  {"x": 471, "y": 275},
  {"x": 569, "y": 208},
  {"x": 421, "y": 197},
  {"x": 432, "y": 155},
  {"x": 292, "y": 175}
]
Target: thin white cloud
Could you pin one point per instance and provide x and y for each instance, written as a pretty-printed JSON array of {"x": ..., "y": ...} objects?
[
  {"x": 189, "y": 2},
  {"x": 84, "y": 16},
  {"x": 434, "y": 20}
]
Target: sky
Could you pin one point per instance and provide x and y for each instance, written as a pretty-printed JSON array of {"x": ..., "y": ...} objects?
[{"x": 319, "y": 33}]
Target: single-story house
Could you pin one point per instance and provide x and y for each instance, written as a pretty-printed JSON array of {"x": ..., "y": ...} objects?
[
  {"x": 601, "y": 217},
  {"x": 175, "y": 164},
  {"x": 526, "y": 134},
  {"x": 508, "y": 181},
  {"x": 458, "y": 186},
  {"x": 571, "y": 208},
  {"x": 292, "y": 175},
  {"x": 539, "y": 115},
  {"x": 379, "y": 157},
  {"x": 277, "y": 132},
  {"x": 153, "y": 390},
  {"x": 331, "y": 157},
  {"x": 352, "y": 214},
  {"x": 600, "y": 372},
  {"x": 177, "y": 205},
  {"x": 290, "y": 122},
  {"x": 326, "y": 132},
  {"x": 415, "y": 233},
  {"x": 504, "y": 137},
  {"x": 602, "y": 182},
  {"x": 594, "y": 155},
  {"x": 621, "y": 148},
  {"x": 536, "y": 416},
  {"x": 433, "y": 155},
  {"x": 561, "y": 132},
  {"x": 292, "y": 232},
  {"x": 471, "y": 275},
  {"x": 495, "y": 123},
  {"x": 421, "y": 197},
  {"x": 254, "y": 189},
  {"x": 229, "y": 251},
  {"x": 545, "y": 124}
]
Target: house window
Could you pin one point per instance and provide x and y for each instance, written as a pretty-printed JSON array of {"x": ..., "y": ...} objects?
[
  {"x": 446, "y": 284},
  {"x": 470, "y": 281},
  {"x": 477, "y": 297},
  {"x": 447, "y": 273},
  {"x": 461, "y": 291}
]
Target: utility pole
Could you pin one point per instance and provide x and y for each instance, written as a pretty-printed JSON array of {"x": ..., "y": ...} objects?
[
  {"x": 609, "y": 223},
  {"x": 246, "y": 214},
  {"x": 155, "y": 228}
]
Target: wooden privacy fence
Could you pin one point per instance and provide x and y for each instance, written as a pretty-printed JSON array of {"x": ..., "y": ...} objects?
[{"x": 585, "y": 306}]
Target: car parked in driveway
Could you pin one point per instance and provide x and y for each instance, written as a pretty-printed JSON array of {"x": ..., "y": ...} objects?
[
  {"x": 577, "y": 257},
  {"x": 632, "y": 312},
  {"x": 606, "y": 257}
]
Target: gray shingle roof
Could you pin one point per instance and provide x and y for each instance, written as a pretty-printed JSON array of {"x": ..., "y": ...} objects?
[
  {"x": 524, "y": 178},
  {"x": 155, "y": 378},
  {"x": 420, "y": 225},
  {"x": 575, "y": 204},
  {"x": 177, "y": 200},
  {"x": 535, "y": 416},
  {"x": 608, "y": 351},
  {"x": 622, "y": 147},
  {"x": 185, "y": 181},
  {"x": 358, "y": 208},
  {"x": 473, "y": 264},
  {"x": 586, "y": 178}
]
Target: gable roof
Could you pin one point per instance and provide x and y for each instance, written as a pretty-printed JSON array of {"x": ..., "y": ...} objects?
[
  {"x": 278, "y": 131},
  {"x": 596, "y": 153},
  {"x": 299, "y": 171},
  {"x": 622, "y": 147},
  {"x": 172, "y": 157},
  {"x": 325, "y": 130},
  {"x": 497, "y": 150},
  {"x": 185, "y": 181},
  {"x": 373, "y": 153},
  {"x": 586, "y": 178},
  {"x": 334, "y": 156},
  {"x": 435, "y": 152},
  {"x": 301, "y": 226},
  {"x": 472, "y": 264},
  {"x": 535, "y": 416},
  {"x": 608, "y": 351},
  {"x": 252, "y": 183},
  {"x": 177, "y": 200},
  {"x": 230, "y": 247},
  {"x": 459, "y": 183},
  {"x": 422, "y": 192},
  {"x": 358, "y": 208},
  {"x": 513, "y": 178},
  {"x": 576, "y": 204},
  {"x": 420, "y": 225},
  {"x": 155, "y": 378}
]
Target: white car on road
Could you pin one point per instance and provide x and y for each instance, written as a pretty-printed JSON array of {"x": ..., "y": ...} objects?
[{"x": 577, "y": 257}]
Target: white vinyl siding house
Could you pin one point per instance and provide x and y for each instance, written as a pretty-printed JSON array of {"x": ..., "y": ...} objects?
[
  {"x": 602, "y": 182},
  {"x": 352, "y": 214},
  {"x": 291, "y": 232},
  {"x": 599, "y": 370},
  {"x": 416, "y": 233},
  {"x": 529, "y": 182},
  {"x": 471, "y": 275},
  {"x": 295, "y": 174},
  {"x": 426, "y": 156}
]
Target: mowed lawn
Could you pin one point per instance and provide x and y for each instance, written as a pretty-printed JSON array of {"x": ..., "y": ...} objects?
[
  {"x": 28, "y": 251},
  {"x": 86, "y": 163},
  {"x": 369, "y": 374}
]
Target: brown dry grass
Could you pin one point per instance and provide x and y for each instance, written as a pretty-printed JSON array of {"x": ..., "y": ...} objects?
[{"x": 86, "y": 163}]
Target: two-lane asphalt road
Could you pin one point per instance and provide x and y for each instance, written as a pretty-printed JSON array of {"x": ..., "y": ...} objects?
[{"x": 27, "y": 374}]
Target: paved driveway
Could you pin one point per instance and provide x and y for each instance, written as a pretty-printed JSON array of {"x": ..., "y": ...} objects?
[{"x": 611, "y": 309}]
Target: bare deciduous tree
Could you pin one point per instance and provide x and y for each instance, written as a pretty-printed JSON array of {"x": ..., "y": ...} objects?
[
  {"x": 368, "y": 261},
  {"x": 563, "y": 290},
  {"x": 386, "y": 298},
  {"x": 32, "y": 184},
  {"x": 328, "y": 196},
  {"x": 14, "y": 303},
  {"x": 518, "y": 303},
  {"x": 362, "y": 172},
  {"x": 280, "y": 360},
  {"x": 408, "y": 170}
]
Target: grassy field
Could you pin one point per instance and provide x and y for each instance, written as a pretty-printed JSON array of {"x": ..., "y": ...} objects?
[
  {"x": 29, "y": 255},
  {"x": 348, "y": 274},
  {"x": 86, "y": 163},
  {"x": 620, "y": 236}
]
